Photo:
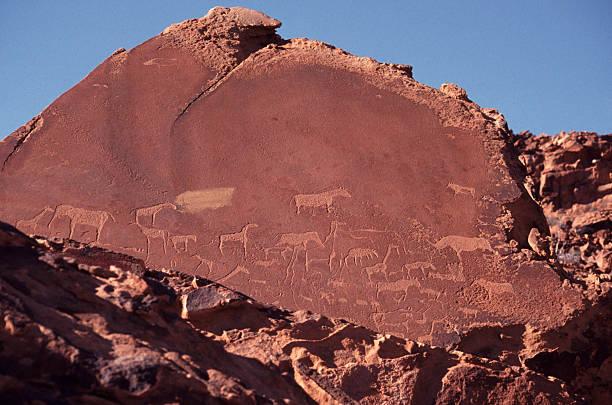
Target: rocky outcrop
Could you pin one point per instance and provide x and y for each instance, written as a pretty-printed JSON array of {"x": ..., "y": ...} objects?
[
  {"x": 296, "y": 173},
  {"x": 81, "y": 325},
  {"x": 570, "y": 175},
  {"x": 308, "y": 179}
]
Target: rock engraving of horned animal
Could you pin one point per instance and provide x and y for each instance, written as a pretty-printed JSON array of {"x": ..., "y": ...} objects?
[
  {"x": 151, "y": 211},
  {"x": 325, "y": 198},
  {"x": 31, "y": 223},
  {"x": 240, "y": 237},
  {"x": 359, "y": 254},
  {"x": 82, "y": 216}
]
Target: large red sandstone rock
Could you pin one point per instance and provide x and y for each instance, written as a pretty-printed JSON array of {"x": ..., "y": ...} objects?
[
  {"x": 297, "y": 173},
  {"x": 80, "y": 325}
]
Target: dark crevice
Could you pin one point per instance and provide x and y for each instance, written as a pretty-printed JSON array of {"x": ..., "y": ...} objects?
[
  {"x": 526, "y": 212},
  {"x": 22, "y": 135}
]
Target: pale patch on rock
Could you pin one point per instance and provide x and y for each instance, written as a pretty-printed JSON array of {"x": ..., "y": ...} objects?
[{"x": 200, "y": 200}]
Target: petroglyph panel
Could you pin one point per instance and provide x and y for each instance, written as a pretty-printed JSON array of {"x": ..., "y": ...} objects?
[{"x": 376, "y": 199}]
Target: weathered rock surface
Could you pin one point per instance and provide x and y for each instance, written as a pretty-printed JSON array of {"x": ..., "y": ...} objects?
[
  {"x": 296, "y": 173},
  {"x": 80, "y": 325},
  {"x": 570, "y": 175}
]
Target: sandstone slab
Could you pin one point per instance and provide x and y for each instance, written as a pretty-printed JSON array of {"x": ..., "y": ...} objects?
[{"x": 296, "y": 173}]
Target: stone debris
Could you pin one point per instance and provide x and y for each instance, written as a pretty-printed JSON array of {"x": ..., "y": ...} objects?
[{"x": 71, "y": 335}]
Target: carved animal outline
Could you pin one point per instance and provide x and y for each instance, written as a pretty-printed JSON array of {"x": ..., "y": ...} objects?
[
  {"x": 462, "y": 244},
  {"x": 182, "y": 240},
  {"x": 205, "y": 261},
  {"x": 288, "y": 242},
  {"x": 151, "y": 211},
  {"x": 382, "y": 266},
  {"x": 154, "y": 233},
  {"x": 33, "y": 222},
  {"x": 359, "y": 254},
  {"x": 240, "y": 237},
  {"x": 459, "y": 189},
  {"x": 325, "y": 198},
  {"x": 294, "y": 240},
  {"x": 82, "y": 216}
]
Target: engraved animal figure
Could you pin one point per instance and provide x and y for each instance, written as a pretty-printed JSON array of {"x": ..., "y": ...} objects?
[
  {"x": 154, "y": 233},
  {"x": 462, "y": 244},
  {"x": 300, "y": 239},
  {"x": 325, "y": 198},
  {"x": 203, "y": 261},
  {"x": 180, "y": 242},
  {"x": 494, "y": 288},
  {"x": 458, "y": 189},
  {"x": 240, "y": 237},
  {"x": 151, "y": 212},
  {"x": 381, "y": 268},
  {"x": 81, "y": 216},
  {"x": 358, "y": 254},
  {"x": 26, "y": 224}
]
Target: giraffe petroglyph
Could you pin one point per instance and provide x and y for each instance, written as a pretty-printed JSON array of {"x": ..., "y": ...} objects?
[
  {"x": 325, "y": 198},
  {"x": 240, "y": 237}
]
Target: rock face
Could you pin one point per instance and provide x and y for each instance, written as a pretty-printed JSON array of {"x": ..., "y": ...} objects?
[
  {"x": 296, "y": 173},
  {"x": 570, "y": 174},
  {"x": 80, "y": 325}
]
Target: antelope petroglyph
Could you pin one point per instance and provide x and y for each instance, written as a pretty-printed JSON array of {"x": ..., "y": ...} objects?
[
  {"x": 240, "y": 237},
  {"x": 325, "y": 198}
]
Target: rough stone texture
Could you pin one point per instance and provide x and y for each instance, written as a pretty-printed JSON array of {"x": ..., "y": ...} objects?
[
  {"x": 297, "y": 173},
  {"x": 570, "y": 175},
  {"x": 80, "y": 325}
]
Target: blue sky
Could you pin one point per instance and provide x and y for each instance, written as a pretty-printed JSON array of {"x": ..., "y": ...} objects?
[{"x": 547, "y": 65}]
